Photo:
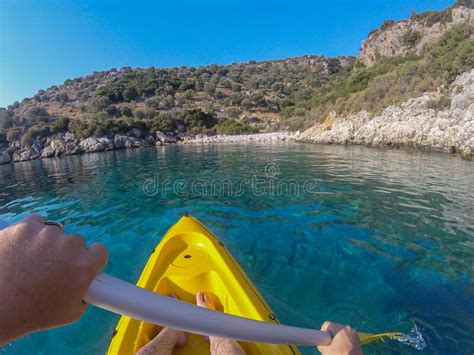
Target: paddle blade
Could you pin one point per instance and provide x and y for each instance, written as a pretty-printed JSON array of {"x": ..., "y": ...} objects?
[{"x": 367, "y": 338}]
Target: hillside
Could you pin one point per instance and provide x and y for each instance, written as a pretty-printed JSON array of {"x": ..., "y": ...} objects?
[
  {"x": 127, "y": 106},
  {"x": 174, "y": 100}
]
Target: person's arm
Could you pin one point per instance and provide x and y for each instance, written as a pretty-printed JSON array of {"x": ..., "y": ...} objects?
[
  {"x": 345, "y": 340},
  {"x": 44, "y": 275}
]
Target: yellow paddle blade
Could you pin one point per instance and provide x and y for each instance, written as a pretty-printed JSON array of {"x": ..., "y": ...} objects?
[{"x": 367, "y": 338}]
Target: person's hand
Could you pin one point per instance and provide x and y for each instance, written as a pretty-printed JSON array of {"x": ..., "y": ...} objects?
[
  {"x": 345, "y": 340},
  {"x": 44, "y": 275}
]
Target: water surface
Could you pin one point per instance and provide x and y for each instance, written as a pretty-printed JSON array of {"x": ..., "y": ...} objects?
[{"x": 374, "y": 238}]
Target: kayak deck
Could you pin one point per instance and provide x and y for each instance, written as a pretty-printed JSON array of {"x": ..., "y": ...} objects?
[{"x": 189, "y": 259}]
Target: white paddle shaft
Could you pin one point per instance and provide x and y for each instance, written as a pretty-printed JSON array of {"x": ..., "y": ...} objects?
[{"x": 121, "y": 297}]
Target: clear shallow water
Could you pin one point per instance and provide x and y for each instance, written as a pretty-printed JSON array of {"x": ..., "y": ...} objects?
[{"x": 377, "y": 239}]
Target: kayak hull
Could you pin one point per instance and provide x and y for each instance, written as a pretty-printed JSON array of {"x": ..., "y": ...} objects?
[{"x": 189, "y": 259}]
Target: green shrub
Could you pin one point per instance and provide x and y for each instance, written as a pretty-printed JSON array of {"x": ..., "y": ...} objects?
[
  {"x": 258, "y": 99},
  {"x": 111, "y": 110},
  {"x": 189, "y": 94},
  {"x": 99, "y": 131},
  {"x": 236, "y": 99},
  {"x": 127, "y": 112},
  {"x": 60, "y": 125},
  {"x": 153, "y": 102},
  {"x": 288, "y": 112},
  {"x": 235, "y": 87},
  {"x": 300, "y": 112},
  {"x": 37, "y": 113},
  {"x": 440, "y": 104},
  {"x": 13, "y": 134},
  {"x": 32, "y": 133},
  {"x": 387, "y": 24},
  {"x": 14, "y": 105},
  {"x": 209, "y": 88},
  {"x": 411, "y": 38},
  {"x": 129, "y": 94},
  {"x": 61, "y": 97},
  {"x": 246, "y": 104},
  {"x": 233, "y": 127},
  {"x": 465, "y": 3},
  {"x": 168, "y": 89},
  {"x": 100, "y": 116},
  {"x": 164, "y": 122},
  {"x": 168, "y": 102},
  {"x": 233, "y": 112},
  {"x": 197, "y": 119},
  {"x": 429, "y": 18},
  {"x": 297, "y": 125},
  {"x": 6, "y": 119},
  {"x": 101, "y": 102}
]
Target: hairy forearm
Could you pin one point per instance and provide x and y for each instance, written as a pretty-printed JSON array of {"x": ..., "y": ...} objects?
[{"x": 13, "y": 324}]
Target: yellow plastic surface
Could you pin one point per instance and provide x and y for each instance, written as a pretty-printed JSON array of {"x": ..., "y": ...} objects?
[{"x": 189, "y": 259}]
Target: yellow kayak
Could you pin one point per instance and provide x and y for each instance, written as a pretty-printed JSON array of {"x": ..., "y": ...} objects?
[{"x": 189, "y": 259}]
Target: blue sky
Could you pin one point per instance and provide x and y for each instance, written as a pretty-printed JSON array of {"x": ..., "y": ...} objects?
[{"x": 42, "y": 43}]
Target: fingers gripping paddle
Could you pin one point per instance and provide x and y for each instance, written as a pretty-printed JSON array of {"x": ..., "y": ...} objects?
[{"x": 123, "y": 298}]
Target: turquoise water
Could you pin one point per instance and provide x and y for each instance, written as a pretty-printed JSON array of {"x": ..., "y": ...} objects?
[{"x": 377, "y": 239}]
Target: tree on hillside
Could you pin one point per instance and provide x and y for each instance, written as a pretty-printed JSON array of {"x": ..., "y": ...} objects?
[
  {"x": 37, "y": 113},
  {"x": 246, "y": 104},
  {"x": 6, "y": 119},
  {"x": 32, "y": 133},
  {"x": 61, "y": 97},
  {"x": 60, "y": 125},
  {"x": 168, "y": 102},
  {"x": 129, "y": 94},
  {"x": 209, "y": 88},
  {"x": 101, "y": 102}
]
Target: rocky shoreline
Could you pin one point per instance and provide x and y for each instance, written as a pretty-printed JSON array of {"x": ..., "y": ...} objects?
[
  {"x": 64, "y": 144},
  {"x": 67, "y": 144},
  {"x": 435, "y": 121},
  {"x": 416, "y": 123},
  {"x": 242, "y": 138}
]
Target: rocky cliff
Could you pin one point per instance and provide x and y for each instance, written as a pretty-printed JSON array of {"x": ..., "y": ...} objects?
[
  {"x": 433, "y": 120},
  {"x": 412, "y": 35}
]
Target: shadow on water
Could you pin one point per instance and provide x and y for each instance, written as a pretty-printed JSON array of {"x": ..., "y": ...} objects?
[{"x": 378, "y": 239}]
